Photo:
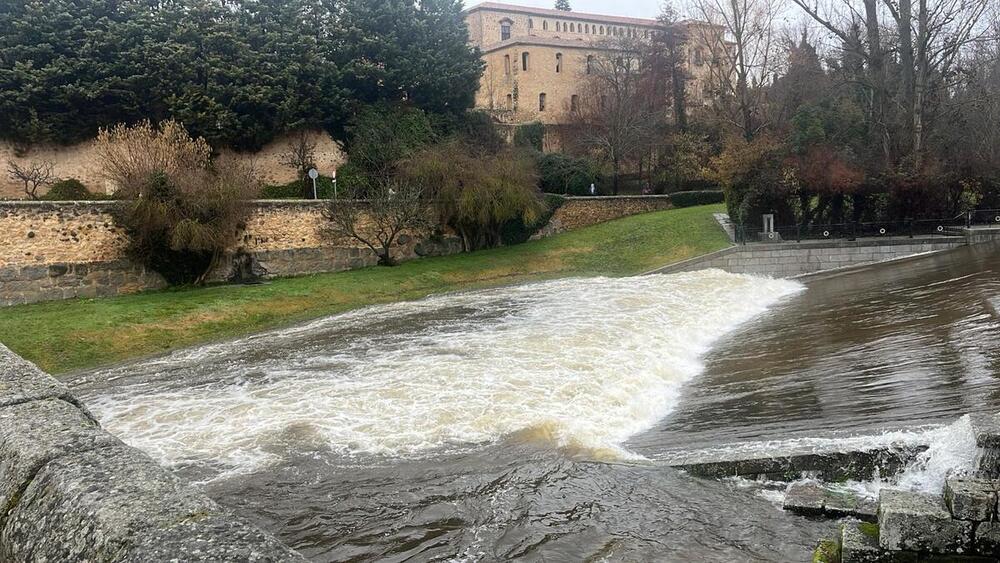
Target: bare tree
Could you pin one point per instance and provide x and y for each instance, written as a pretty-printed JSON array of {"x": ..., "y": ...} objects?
[
  {"x": 615, "y": 118},
  {"x": 391, "y": 208},
  {"x": 300, "y": 154},
  {"x": 32, "y": 176},
  {"x": 930, "y": 40},
  {"x": 742, "y": 42}
]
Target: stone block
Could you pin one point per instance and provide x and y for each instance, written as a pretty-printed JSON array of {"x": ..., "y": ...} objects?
[
  {"x": 915, "y": 521},
  {"x": 987, "y": 539},
  {"x": 37, "y": 432},
  {"x": 115, "y": 503},
  {"x": 21, "y": 381},
  {"x": 986, "y": 428},
  {"x": 806, "y": 498},
  {"x": 859, "y": 543},
  {"x": 970, "y": 499}
]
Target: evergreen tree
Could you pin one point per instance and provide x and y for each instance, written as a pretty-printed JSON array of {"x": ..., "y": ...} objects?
[
  {"x": 235, "y": 72},
  {"x": 563, "y": 5}
]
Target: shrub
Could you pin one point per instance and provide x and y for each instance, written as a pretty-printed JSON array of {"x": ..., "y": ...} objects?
[
  {"x": 516, "y": 231},
  {"x": 563, "y": 174},
  {"x": 180, "y": 210},
  {"x": 69, "y": 190},
  {"x": 381, "y": 137},
  {"x": 690, "y": 199},
  {"x": 530, "y": 136}
]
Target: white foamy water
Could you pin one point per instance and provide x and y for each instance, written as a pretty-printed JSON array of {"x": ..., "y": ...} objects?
[{"x": 585, "y": 363}]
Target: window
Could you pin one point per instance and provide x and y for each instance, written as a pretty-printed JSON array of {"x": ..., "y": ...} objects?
[
  {"x": 531, "y": 24},
  {"x": 572, "y": 28},
  {"x": 545, "y": 25},
  {"x": 541, "y": 102},
  {"x": 557, "y": 26},
  {"x": 602, "y": 30},
  {"x": 506, "y": 64},
  {"x": 524, "y": 61},
  {"x": 558, "y": 62},
  {"x": 505, "y": 30},
  {"x": 590, "y": 63},
  {"x": 586, "y": 28},
  {"x": 699, "y": 57},
  {"x": 574, "y": 103},
  {"x": 510, "y": 101}
]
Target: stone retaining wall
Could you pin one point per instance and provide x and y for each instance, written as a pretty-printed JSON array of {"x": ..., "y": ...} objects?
[
  {"x": 789, "y": 259},
  {"x": 62, "y": 250},
  {"x": 51, "y": 250},
  {"x": 577, "y": 212},
  {"x": 69, "y": 491}
]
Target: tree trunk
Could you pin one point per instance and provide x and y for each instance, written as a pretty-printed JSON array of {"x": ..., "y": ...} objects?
[
  {"x": 906, "y": 65},
  {"x": 920, "y": 85},
  {"x": 876, "y": 74}
]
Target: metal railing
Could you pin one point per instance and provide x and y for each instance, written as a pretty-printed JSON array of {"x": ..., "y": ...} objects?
[{"x": 853, "y": 230}]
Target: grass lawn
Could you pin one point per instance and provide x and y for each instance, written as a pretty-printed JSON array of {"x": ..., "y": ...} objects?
[{"x": 61, "y": 336}]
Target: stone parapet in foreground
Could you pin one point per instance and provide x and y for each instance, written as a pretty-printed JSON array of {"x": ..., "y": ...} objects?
[{"x": 70, "y": 491}]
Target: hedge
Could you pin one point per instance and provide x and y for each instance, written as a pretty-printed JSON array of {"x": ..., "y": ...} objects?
[{"x": 702, "y": 197}]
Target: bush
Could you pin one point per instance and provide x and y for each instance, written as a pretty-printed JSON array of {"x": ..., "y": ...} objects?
[
  {"x": 517, "y": 231},
  {"x": 530, "y": 136},
  {"x": 703, "y": 197},
  {"x": 69, "y": 190},
  {"x": 180, "y": 210},
  {"x": 563, "y": 174}
]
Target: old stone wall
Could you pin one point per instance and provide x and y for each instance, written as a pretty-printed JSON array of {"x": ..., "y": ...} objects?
[
  {"x": 74, "y": 249},
  {"x": 577, "y": 212},
  {"x": 789, "y": 259},
  {"x": 70, "y": 491}
]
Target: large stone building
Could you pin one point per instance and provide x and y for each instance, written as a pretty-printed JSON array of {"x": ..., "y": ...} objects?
[{"x": 537, "y": 60}]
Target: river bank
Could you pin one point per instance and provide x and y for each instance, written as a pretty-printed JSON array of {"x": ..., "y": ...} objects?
[{"x": 85, "y": 333}]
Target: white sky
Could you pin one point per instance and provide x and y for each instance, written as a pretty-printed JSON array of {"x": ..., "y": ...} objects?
[{"x": 631, "y": 8}]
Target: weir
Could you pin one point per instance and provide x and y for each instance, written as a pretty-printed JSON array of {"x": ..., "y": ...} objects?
[
  {"x": 952, "y": 512},
  {"x": 70, "y": 491}
]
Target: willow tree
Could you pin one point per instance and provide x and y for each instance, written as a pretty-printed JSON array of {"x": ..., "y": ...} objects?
[{"x": 477, "y": 193}]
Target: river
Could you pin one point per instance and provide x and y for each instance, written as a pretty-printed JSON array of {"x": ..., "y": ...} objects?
[{"x": 533, "y": 421}]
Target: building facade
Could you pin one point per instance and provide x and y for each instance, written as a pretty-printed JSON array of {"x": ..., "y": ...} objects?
[{"x": 537, "y": 60}]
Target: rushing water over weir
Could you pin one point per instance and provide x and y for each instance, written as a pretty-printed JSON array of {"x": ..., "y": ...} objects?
[{"x": 530, "y": 421}]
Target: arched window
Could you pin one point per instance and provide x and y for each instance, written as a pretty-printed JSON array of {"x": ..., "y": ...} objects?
[
  {"x": 572, "y": 28},
  {"x": 524, "y": 61},
  {"x": 505, "y": 29},
  {"x": 558, "y": 62},
  {"x": 506, "y": 64},
  {"x": 510, "y": 101},
  {"x": 545, "y": 25},
  {"x": 590, "y": 63},
  {"x": 602, "y": 30},
  {"x": 574, "y": 103},
  {"x": 557, "y": 26},
  {"x": 541, "y": 102},
  {"x": 531, "y": 24}
]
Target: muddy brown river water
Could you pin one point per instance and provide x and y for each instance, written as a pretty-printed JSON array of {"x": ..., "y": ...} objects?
[{"x": 532, "y": 422}]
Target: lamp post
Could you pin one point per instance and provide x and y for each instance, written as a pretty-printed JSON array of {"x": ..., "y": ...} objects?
[{"x": 313, "y": 173}]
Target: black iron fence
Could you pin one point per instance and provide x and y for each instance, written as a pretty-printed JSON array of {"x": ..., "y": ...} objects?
[{"x": 850, "y": 231}]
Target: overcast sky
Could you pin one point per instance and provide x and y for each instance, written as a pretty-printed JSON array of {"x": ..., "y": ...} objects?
[{"x": 633, "y": 8}]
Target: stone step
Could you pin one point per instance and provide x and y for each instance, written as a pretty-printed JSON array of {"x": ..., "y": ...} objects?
[
  {"x": 789, "y": 464},
  {"x": 816, "y": 499}
]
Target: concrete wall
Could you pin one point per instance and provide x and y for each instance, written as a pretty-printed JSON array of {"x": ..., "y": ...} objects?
[
  {"x": 69, "y": 491},
  {"x": 64, "y": 250},
  {"x": 789, "y": 259},
  {"x": 78, "y": 161},
  {"x": 577, "y": 212}
]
